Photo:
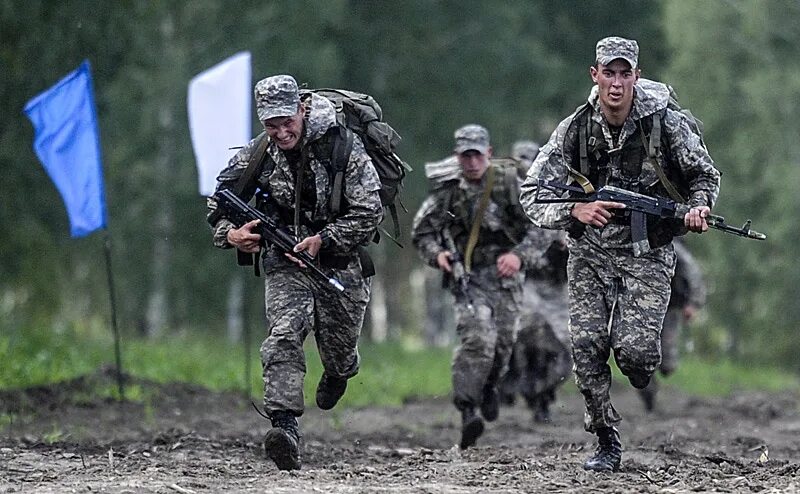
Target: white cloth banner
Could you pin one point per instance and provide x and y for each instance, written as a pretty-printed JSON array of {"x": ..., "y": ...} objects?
[{"x": 219, "y": 116}]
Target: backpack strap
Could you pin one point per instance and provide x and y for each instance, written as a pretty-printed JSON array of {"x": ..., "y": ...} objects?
[
  {"x": 340, "y": 156},
  {"x": 254, "y": 166},
  {"x": 512, "y": 184},
  {"x": 653, "y": 150}
]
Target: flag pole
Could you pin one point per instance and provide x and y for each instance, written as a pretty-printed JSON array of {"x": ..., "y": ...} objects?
[{"x": 117, "y": 353}]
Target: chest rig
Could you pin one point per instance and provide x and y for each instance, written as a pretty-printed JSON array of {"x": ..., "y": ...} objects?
[{"x": 624, "y": 167}]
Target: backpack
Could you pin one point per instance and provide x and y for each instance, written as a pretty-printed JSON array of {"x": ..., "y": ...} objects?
[
  {"x": 361, "y": 114},
  {"x": 357, "y": 114}
]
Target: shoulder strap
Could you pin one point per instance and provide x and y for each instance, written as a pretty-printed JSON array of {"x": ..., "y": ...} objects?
[
  {"x": 254, "y": 166},
  {"x": 512, "y": 184},
  {"x": 653, "y": 150},
  {"x": 340, "y": 156}
]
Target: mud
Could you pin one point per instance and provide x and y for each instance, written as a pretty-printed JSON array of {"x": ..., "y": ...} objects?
[{"x": 188, "y": 439}]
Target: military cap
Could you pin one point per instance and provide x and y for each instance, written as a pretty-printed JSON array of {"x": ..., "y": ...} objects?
[
  {"x": 613, "y": 47},
  {"x": 524, "y": 150},
  {"x": 277, "y": 96},
  {"x": 472, "y": 137}
]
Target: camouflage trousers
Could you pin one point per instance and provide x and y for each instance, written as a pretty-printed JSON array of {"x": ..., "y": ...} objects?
[
  {"x": 542, "y": 357},
  {"x": 670, "y": 337},
  {"x": 616, "y": 302},
  {"x": 486, "y": 330},
  {"x": 297, "y": 304}
]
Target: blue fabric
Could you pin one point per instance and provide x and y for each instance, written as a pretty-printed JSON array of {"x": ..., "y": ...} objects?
[{"x": 67, "y": 142}]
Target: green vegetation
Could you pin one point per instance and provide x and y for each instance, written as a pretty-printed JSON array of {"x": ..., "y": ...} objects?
[{"x": 391, "y": 373}]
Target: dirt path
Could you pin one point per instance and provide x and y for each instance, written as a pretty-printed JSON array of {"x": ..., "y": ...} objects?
[{"x": 192, "y": 440}]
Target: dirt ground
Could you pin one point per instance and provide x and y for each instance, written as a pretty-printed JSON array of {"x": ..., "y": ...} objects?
[{"x": 187, "y": 439}]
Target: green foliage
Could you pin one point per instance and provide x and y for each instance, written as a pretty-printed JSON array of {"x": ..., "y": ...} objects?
[{"x": 736, "y": 65}]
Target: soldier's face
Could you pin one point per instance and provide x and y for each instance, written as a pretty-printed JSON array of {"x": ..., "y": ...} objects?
[
  {"x": 615, "y": 83},
  {"x": 473, "y": 164},
  {"x": 286, "y": 132}
]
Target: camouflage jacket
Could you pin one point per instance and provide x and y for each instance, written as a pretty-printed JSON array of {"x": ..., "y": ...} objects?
[
  {"x": 362, "y": 210},
  {"x": 689, "y": 160},
  {"x": 504, "y": 227}
]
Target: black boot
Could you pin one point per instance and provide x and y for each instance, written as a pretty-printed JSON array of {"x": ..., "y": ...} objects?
[
  {"x": 490, "y": 406},
  {"x": 471, "y": 427},
  {"x": 607, "y": 456},
  {"x": 648, "y": 396},
  {"x": 541, "y": 412},
  {"x": 329, "y": 390},
  {"x": 639, "y": 381},
  {"x": 282, "y": 442}
]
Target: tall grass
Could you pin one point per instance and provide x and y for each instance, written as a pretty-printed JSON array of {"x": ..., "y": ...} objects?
[{"x": 391, "y": 373}]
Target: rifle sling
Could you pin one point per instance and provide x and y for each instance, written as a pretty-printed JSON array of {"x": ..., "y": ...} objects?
[{"x": 475, "y": 230}]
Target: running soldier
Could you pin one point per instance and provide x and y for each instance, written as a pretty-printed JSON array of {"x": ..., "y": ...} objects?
[
  {"x": 295, "y": 189},
  {"x": 625, "y": 136},
  {"x": 474, "y": 222}
]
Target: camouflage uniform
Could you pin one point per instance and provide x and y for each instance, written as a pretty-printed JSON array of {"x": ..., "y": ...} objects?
[
  {"x": 541, "y": 360},
  {"x": 618, "y": 300},
  {"x": 297, "y": 302},
  {"x": 487, "y": 326}
]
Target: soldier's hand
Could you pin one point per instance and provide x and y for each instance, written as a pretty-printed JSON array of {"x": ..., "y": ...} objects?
[
  {"x": 695, "y": 219},
  {"x": 311, "y": 245},
  {"x": 508, "y": 265},
  {"x": 443, "y": 261},
  {"x": 244, "y": 239},
  {"x": 595, "y": 213}
]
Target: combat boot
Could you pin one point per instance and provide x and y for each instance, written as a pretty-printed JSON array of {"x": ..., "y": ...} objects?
[
  {"x": 471, "y": 427},
  {"x": 282, "y": 442},
  {"x": 541, "y": 413},
  {"x": 329, "y": 390},
  {"x": 490, "y": 405},
  {"x": 638, "y": 380},
  {"x": 648, "y": 396},
  {"x": 607, "y": 456}
]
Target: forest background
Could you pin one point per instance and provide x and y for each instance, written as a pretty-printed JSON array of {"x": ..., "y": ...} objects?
[{"x": 516, "y": 67}]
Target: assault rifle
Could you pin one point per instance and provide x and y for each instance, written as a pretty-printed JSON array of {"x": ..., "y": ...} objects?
[
  {"x": 459, "y": 272},
  {"x": 639, "y": 205},
  {"x": 239, "y": 213}
]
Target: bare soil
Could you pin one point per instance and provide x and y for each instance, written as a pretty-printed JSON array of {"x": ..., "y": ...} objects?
[{"x": 188, "y": 439}]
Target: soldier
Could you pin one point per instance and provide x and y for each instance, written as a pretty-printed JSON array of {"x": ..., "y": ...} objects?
[
  {"x": 476, "y": 216},
  {"x": 541, "y": 359},
  {"x": 295, "y": 189},
  {"x": 688, "y": 295},
  {"x": 625, "y": 136}
]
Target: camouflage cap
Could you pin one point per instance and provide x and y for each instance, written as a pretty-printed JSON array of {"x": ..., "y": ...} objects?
[
  {"x": 277, "y": 96},
  {"x": 524, "y": 150},
  {"x": 613, "y": 47},
  {"x": 472, "y": 137}
]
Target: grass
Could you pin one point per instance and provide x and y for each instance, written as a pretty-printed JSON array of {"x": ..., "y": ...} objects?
[{"x": 390, "y": 374}]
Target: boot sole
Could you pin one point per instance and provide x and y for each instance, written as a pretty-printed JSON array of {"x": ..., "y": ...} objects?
[
  {"x": 280, "y": 449},
  {"x": 470, "y": 433}
]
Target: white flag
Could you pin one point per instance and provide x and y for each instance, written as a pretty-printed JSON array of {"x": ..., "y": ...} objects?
[{"x": 219, "y": 116}]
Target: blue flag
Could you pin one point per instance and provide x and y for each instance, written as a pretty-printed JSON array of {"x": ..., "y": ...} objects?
[{"x": 67, "y": 142}]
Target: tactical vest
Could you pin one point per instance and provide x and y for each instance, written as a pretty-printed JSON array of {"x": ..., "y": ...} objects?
[
  {"x": 625, "y": 167},
  {"x": 505, "y": 194}
]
